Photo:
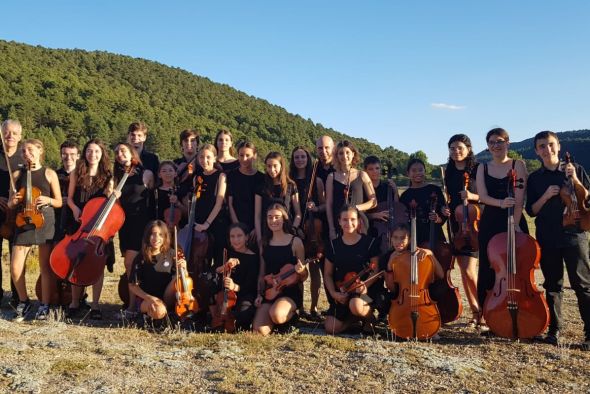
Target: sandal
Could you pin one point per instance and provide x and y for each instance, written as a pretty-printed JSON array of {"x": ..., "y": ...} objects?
[{"x": 95, "y": 314}]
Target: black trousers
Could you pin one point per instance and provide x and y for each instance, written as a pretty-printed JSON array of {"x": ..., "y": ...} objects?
[
  {"x": 12, "y": 288},
  {"x": 578, "y": 270}
]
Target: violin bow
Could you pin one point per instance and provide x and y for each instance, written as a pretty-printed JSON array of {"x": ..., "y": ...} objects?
[
  {"x": 310, "y": 189},
  {"x": 10, "y": 175}
]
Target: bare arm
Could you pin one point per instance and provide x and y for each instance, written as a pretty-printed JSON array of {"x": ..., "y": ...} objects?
[{"x": 369, "y": 191}]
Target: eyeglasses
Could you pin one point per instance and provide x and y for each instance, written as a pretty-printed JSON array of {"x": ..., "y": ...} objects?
[{"x": 497, "y": 143}]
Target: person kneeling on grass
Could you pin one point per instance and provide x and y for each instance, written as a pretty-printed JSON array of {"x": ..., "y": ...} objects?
[{"x": 153, "y": 272}]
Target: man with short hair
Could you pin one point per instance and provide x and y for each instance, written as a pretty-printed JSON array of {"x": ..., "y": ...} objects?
[
  {"x": 136, "y": 136},
  {"x": 69, "y": 156}
]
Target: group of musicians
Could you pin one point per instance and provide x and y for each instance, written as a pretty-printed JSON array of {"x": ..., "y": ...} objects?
[{"x": 263, "y": 233}]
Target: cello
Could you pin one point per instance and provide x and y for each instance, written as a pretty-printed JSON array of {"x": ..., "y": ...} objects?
[
  {"x": 186, "y": 304},
  {"x": 449, "y": 305},
  {"x": 514, "y": 307},
  {"x": 7, "y": 226},
  {"x": 225, "y": 299},
  {"x": 28, "y": 216},
  {"x": 80, "y": 258},
  {"x": 467, "y": 215},
  {"x": 413, "y": 314},
  {"x": 312, "y": 225},
  {"x": 61, "y": 291},
  {"x": 195, "y": 242},
  {"x": 576, "y": 212}
]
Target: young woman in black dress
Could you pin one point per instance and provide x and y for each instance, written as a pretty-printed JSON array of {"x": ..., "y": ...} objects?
[
  {"x": 45, "y": 179},
  {"x": 300, "y": 170},
  {"x": 225, "y": 151},
  {"x": 244, "y": 277},
  {"x": 135, "y": 203},
  {"x": 277, "y": 187},
  {"x": 91, "y": 178},
  {"x": 350, "y": 252},
  {"x": 422, "y": 192},
  {"x": 153, "y": 272},
  {"x": 209, "y": 204},
  {"x": 165, "y": 194},
  {"x": 279, "y": 247},
  {"x": 347, "y": 185},
  {"x": 461, "y": 162},
  {"x": 492, "y": 187}
]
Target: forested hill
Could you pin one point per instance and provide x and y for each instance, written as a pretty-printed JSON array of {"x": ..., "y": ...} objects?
[
  {"x": 58, "y": 93},
  {"x": 576, "y": 142}
]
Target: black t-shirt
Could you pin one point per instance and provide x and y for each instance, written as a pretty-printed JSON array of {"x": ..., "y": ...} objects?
[
  {"x": 246, "y": 273},
  {"x": 153, "y": 276},
  {"x": 454, "y": 180},
  {"x": 351, "y": 258},
  {"x": 242, "y": 189},
  {"x": 273, "y": 195},
  {"x": 150, "y": 161},
  {"x": 16, "y": 162},
  {"x": 422, "y": 196},
  {"x": 228, "y": 167},
  {"x": 549, "y": 219}
]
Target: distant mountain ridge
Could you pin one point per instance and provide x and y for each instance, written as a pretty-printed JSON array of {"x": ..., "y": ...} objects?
[{"x": 577, "y": 143}]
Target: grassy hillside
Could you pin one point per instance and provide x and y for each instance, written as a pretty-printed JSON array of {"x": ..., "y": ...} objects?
[{"x": 60, "y": 93}]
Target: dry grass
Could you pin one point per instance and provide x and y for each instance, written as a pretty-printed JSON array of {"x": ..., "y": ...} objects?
[{"x": 83, "y": 356}]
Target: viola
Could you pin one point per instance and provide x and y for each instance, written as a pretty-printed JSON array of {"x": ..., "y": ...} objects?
[
  {"x": 467, "y": 215},
  {"x": 225, "y": 300},
  {"x": 196, "y": 242},
  {"x": 172, "y": 215},
  {"x": 312, "y": 225},
  {"x": 413, "y": 314},
  {"x": 576, "y": 213},
  {"x": 450, "y": 306},
  {"x": 28, "y": 216},
  {"x": 9, "y": 216},
  {"x": 80, "y": 258},
  {"x": 61, "y": 291},
  {"x": 514, "y": 307},
  {"x": 287, "y": 276},
  {"x": 186, "y": 304}
]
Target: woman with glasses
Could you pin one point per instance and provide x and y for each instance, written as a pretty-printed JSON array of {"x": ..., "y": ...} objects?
[{"x": 492, "y": 187}]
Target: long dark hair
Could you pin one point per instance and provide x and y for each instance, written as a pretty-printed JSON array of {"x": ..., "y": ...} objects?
[
  {"x": 287, "y": 226},
  {"x": 470, "y": 160},
  {"x": 284, "y": 179},
  {"x": 120, "y": 168},
  {"x": 308, "y": 166},
  {"x": 103, "y": 173},
  {"x": 413, "y": 161},
  {"x": 145, "y": 243}
]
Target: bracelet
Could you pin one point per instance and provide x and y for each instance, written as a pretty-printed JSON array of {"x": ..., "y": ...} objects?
[{"x": 208, "y": 223}]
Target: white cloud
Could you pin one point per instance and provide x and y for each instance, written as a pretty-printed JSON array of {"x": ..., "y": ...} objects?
[{"x": 450, "y": 107}]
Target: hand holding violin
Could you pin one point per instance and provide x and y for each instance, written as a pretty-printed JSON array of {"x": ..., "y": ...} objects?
[
  {"x": 42, "y": 201},
  {"x": 15, "y": 200},
  {"x": 229, "y": 284},
  {"x": 508, "y": 202},
  {"x": 300, "y": 268},
  {"x": 434, "y": 217},
  {"x": 312, "y": 207},
  {"x": 570, "y": 171}
]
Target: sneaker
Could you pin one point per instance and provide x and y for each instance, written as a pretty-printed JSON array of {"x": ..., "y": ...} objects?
[
  {"x": 552, "y": 338},
  {"x": 42, "y": 312},
  {"x": 586, "y": 343},
  {"x": 22, "y": 309}
]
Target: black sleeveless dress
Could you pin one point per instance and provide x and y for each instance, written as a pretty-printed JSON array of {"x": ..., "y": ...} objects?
[
  {"x": 275, "y": 257},
  {"x": 36, "y": 236},
  {"x": 135, "y": 203},
  {"x": 493, "y": 221}
]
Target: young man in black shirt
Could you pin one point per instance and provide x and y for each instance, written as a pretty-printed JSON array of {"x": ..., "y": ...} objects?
[
  {"x": 69, "y": 156},
  {"x": 136, "y": 136},
  {"x": 559, "y": 244}
]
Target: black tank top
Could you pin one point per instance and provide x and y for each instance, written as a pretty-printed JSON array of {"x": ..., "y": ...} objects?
[
  {"x": 275, "y": 257},
  {"x": 208, "y": 198},
  {"x": 38, "y": 180}
]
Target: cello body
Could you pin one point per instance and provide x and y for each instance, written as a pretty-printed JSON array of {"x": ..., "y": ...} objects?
[
  {"x": 80, "y": 258},
  {"x": 413, "y": 314}
]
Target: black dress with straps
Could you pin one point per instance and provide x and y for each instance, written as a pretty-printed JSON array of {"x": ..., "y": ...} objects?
[
  {"x": 36, "y": 236},
  {"x": 275, "y": 257},
  {"x": 493, "y": 221}
]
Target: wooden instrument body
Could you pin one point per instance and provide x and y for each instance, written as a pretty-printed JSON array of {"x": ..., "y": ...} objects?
[
  {"x": 467, "y": 216},
  {"x": 515, "y": 290},
  {"x": 312, "y": 239},
  {"x": 28, "y": 215},
  {"x": 8, "y": 224},
  {"x": 576, "y": 213},
  {"x": 172, "y": 216},
  {"x": 225, "y": 300},
  {"x": 287, "y": 276},
  {"x": 186, "y": 303},
  {"x": 61, "y": 292},
  {"x": 80, "y": 258},
  {"x": 413, "y": 314}
]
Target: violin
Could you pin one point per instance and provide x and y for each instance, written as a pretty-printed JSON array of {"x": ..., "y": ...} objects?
[
  {"x": 450, "y": 306},
  {"x": 225, "y": 300},
  {"x": 514, "y": 307},
  {"x": 28, "y": 216},
  {"x": 9, "y": 216},
  {"x": 61, "y": 291},
  {"x": 576, "y": 213},
  {"x": 80, "y": 258},
  {"x": 196, "y": 242},
  {"x": 287, "y": 276},
  {"x": 352, "y": 282},
  {"x": 467, "y": 215},
  {"x": 186, "y": 170},
  {"x": 172, "y": 215},
  {"x": 413, "y": 314},
  {"x": 312, "y": 225},
  {"x": 186, "y": 304}
]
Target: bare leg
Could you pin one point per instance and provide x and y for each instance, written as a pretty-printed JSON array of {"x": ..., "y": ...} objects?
[
  {"x": 17, "y": 270},
  {"x": 468, "y": 266},
  {"x": 47, "y": 277},
  {"x": 96, "y": 291},
  {"x": 262, "y": 323},
  {"x": 314, "y": 285},
  {"x": 282, "y": 310}
]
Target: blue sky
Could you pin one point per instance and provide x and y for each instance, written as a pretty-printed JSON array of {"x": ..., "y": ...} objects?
[{"x": 406, "y": 74}]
